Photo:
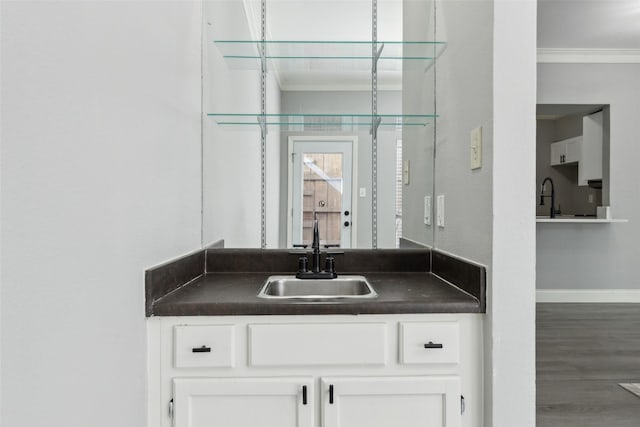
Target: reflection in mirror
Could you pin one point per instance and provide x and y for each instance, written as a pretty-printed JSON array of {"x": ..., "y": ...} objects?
[{"x": 317, "y": 108}]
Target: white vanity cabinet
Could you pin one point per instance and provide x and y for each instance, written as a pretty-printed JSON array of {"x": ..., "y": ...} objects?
[
  {"x": 242, "y": 402},
  {"x": 311, "y": 371},
  {"x": 392, "y": 401}
]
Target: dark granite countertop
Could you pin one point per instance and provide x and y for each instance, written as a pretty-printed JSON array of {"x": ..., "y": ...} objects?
[{"x": 229, "y": 293}]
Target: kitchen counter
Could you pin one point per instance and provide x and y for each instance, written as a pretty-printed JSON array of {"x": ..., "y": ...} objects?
[
  {"x": 236, "y": 294},
  {"x": 577, "y": 220},
  {"x": 226, "y": 282}
]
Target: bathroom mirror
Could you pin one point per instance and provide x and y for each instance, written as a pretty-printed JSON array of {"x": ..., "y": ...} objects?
[{"x": 326, "y": 131}]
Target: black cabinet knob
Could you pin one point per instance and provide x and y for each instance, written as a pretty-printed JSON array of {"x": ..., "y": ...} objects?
[
  {"x": 346, "y": 223},
  {"x": 346, "y": 213}
]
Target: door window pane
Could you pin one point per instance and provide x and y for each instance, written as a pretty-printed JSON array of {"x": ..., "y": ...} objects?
[{"x": 322, "y": 195}]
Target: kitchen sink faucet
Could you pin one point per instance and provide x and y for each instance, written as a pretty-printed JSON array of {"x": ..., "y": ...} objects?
[
  {"x": 315, "y": 272},
  {"x": 552, "y": 210}
]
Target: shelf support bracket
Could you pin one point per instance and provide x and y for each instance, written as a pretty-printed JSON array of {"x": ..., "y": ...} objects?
[
  {"x": 263, "y": 56},
  {"x": 262, "y": 121},
  {"x": 375, "y": 124},
  {"x": 377, "y": 57}
]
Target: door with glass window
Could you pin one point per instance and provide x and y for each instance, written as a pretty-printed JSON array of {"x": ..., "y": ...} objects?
[{"x": 321, "y": 187}]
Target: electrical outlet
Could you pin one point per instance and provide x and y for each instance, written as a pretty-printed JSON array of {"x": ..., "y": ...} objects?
[
  {"x": 440, "y": 210},
  {"x": 476, "y": 148},
  {"x": 427, "y": 210},
  {"x": 405, "y": 172},
  {"x": 590, "y": 198},
  {"x": 363, "y": 192}
]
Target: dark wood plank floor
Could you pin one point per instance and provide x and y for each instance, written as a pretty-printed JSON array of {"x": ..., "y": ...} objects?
[{"x": 583, "y": 352}]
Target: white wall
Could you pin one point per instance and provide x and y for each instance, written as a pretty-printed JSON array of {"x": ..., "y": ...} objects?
[
  {"x": 464, "y": 101},
  {"x": 486, "y": 77},
  {"x": 510, "y": 328},
  {"x": 464, "y": 96},
  {"x": 100, "y": 180},
  {"x": 602, "y": 256}
]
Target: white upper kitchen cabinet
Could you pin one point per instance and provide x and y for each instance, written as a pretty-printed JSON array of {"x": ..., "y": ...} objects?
[
  {"x": 584, "y": 150},
  {"x": 566, "y": 152},
  {"x": 590, "y": 167}
]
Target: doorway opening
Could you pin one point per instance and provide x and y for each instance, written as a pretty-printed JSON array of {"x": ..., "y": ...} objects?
[{"x": 321, "y": 185}]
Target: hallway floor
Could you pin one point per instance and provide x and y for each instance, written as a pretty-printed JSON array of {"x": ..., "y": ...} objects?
[{"x": 583, "y": 352}]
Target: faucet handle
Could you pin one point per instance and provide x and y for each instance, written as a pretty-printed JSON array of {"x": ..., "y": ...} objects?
[
  {"x": 329, "y": 265},
  {"x": 302, "y": 264}
]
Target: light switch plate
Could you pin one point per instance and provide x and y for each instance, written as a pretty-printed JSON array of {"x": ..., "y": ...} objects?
[
  {"x": 440, "y": 210},
  {"x": 476, "y": 148},
  {"x": 427, "y": 210},
  {"x": 363, "y": 192}
]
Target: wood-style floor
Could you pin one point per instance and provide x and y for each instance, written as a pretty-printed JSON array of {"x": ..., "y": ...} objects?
[{"x": 583, "y": 352}]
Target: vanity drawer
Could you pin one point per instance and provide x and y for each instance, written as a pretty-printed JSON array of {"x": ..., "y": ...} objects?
[
  {"x": 201, "y": 346},
  {"x": 429, "y": 342},
  {"x": 318, "y": 344}
]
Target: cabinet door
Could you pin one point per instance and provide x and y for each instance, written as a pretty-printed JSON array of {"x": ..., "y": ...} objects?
[
  {"x": 572, "y": 150},
  {"x": 430, "y": 401},
  {"x": 566, "y": 151},
  {"x": 243, "y": 402},
  {"x": 591, "y": 153},
  {"x": 557, "y": 153}
]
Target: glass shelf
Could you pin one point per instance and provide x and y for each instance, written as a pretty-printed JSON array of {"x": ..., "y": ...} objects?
[
  {"x": 314, "y": 53},
  {"x": 324, "y": 122}
]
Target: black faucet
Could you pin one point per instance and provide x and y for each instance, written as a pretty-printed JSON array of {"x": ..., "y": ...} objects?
[
  {"x": 315, "y": 246},
  {"x": 315, "y": 272},
  {"x": 552, "y": 210}
]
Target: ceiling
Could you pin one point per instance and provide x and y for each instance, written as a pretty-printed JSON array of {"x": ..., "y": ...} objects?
[
  {"x": 557, "y": 111},
  {"x": 589, "y": 24},
  {"x": 333, "y": 20}
]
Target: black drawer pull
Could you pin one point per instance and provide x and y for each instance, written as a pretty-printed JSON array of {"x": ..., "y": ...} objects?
[
  {"x": 203, "y": 349},
  {"x": 304, "y": 394},
  {"x": 430, "y": 344},
  {"x": 330, "y": 394}
]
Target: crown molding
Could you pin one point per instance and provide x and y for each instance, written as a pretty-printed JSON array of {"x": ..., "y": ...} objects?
[{"x": 588, "y": 56}]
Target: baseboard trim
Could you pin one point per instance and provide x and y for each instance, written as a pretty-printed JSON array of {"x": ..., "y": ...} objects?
[{"x": 588, "y": 295}]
